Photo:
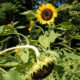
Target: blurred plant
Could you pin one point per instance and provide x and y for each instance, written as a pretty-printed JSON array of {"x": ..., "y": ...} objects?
[{"x": 8, "y": 11}]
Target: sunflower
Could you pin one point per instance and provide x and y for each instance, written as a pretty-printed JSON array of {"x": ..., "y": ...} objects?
[
  {"x": 41, "y": 69},
  {"x": 46, "y": 13}
]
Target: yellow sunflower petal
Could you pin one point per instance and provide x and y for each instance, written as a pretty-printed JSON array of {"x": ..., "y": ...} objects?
[
  {"x": 38, "y": 12},
  {"x": 55, "y": 14},
  {"x": 48, "y": 5},
  {"x": 43, "y": 6},
  {"x": 44, "y": 22}
]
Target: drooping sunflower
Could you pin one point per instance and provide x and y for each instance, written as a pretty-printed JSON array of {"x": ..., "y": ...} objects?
[
  {"x": 42, "y": 68},
  {"x": 46, "y": 13}
]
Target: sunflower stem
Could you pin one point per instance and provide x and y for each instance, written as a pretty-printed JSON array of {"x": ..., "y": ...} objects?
[
  {"x": 24, "y": 46},
  {"x": 40, "y": 28}
]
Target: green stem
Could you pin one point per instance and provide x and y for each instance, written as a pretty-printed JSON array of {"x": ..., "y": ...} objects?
[
  {"x": 40, "y": 28},
  {"x": 23, "y": 37},
  {"x": 18, "y": 37},
  {"x": 24, "y": 46},
  {"x": 2, "y": 70}
]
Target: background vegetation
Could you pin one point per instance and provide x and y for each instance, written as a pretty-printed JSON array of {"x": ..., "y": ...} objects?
[{"x": 60, "y": 39}]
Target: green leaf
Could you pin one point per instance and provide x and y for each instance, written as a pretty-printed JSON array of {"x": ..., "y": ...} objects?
[
  {"x": 15, "y": 23},
  {"x": 9, "y": 64},
  {"x": 20, "y": 27},
  {"x": 76, "y": 37},
  {"x": 73, "y": 56},
  {"x": 29, "y": 14},
  {"x": 44, "y": 41},
  {"x": 64, "y": 45},
  {"x": 2, "y": 60},
  {"x": 24, "y": 55},
  {"x": 60, "y": 28},
  {"x": 64, "y": 7},
  {"x": 5, "y": 39},
  {"x": 54, "y": 53},
  {"x": 67, "y": 25},
  {"x": 33, "y": 42},
  {"x": 2, "y": 71},
  {"x": 6, "y": 30},
  {"x": 53, "y": 36},
  {"x": 73, "y": 13},
  {"x": 77, "y": 43},
  {"x": 13, "y": 75}
]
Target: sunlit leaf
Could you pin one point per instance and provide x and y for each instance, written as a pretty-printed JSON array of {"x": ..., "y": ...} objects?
[
  {"x": 24, "y": 55},
  {"x": 20, "y": 27},
  {"x": 15, "y": 23},
  {"x": 76, "y": 37},
  {"x": 54, "y": 53},
  {"x": 73, "y": 56},
  {"x": 44, "y": 41},
  {"x": 53, "y": 36},
  {"x": 9, "y": 64},
  {"x": 29, "y": 14},
  {"x": 13, "y": 75},
  {"x": 6, "y": 30},
  {"x": 64, "y": 45}
]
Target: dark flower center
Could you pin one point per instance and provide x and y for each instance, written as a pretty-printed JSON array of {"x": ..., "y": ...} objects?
[
  {"x": 45, "y": 71},
  {"x": 46, "y": 14}
]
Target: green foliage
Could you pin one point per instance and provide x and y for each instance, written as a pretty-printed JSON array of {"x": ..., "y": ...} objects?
[
  {"x": 29, "y": 14},
  {"x": 13, "y": 75},
  {"x": 72, "y": 10},
  {"x": 8, "y": 11},
  {"x": 67, "y": 25},
  {"x": 60, "y": 40},
  {"x": 6, "y": 30},
  {"x": 47, "y": 38}
]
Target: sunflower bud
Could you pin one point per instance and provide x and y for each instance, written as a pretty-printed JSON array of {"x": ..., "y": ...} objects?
[
  {"x": 31, "y": 25},
  {"x": 9, "y": 25},
  {"x": 17, "y": 52}
]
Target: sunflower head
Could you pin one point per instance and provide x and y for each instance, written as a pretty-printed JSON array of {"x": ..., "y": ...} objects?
[
  {"x": 46, "y": 13},
  {"x": 41, "y": 69}
]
